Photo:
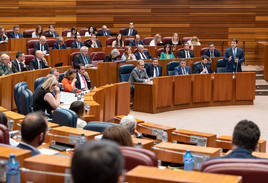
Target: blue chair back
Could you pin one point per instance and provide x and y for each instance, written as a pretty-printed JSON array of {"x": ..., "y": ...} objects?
[
  {"x": 26, "y": 101},
  {"x": 221, "y": 66},
  {"x": 124, "y": 72},
  {"x": 64, "y": 117},
  {"x": 39, "y": 81},
  {"x": 17, "y": 90},
  {"x": 61, "y": 77},
  {"x": 98, "y": 126},
  {"x": 171, "y": 67}
]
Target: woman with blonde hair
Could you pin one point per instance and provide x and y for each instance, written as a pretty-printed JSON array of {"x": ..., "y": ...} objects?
[
  {"x": 194, "y": 41},
  {"x": 175, "y": 40},
  {"x": 156, "y": 41},
  {"x": 128, "y": 55}
]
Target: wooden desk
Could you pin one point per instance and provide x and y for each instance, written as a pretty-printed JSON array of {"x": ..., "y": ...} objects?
[
  {"x": 262, "y": 52},
  {"x": 2, "y": 109},
  {"x": 146, "y": 174},
  {"x": 146, "y": 144},
  {"x": 117, "y": 119},
  {"x": 14, "y": 116},
  {"x": 4, "y": 47}
]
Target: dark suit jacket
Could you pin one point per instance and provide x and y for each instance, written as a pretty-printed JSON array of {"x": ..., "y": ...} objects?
[
  {"x": 79, "y": 60},
  {"x": 199, "y": 68},
  {"x": 23, "y": 146},
  {"x": 15, "y": 67},
  {"x": 109, "y": 58},
  {"x": 74, "y": 45},
  {"x": 78, "y": 82},
  {"x": 182, "y": 54},
  {"x": 34, "y": 65},
  {"x": 50, "y": 34},
  {"x": 56, "y": 46},
  {"x": 12, "y": 35},
  {"x": 178, "y": 70},
  {"x": 2, "y": 38},
  {"x": 88, "y": 44},
  {"x": 147, "y": 54},
  {"x": 232, "y": 66},
  {"x": 171, "y": 43},
  {"x": 134, "y": 43},
  {"x": 134, "y": 32},
  {"x": 37, "y": 47},
  {"x": 150, "y": 70},
  {"x": 101, "y": 33},
  {"x": 216, "y": 53}
]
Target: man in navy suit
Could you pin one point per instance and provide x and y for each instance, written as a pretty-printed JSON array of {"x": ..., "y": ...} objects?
[
  {"x": 186, "y": 52},
  {"x": 59, "y": 45},
  {"x": 77, "y": 43},
  {"x": 33, "y": 132},
  {"x": 183, "y": 69},
  {"x": 82, "y": 58},
  {"x": 130, "y": 31},
  {"x": 39, "y": 62},
  {"x": 93, "y": 42},
  {"x": 18, "y": 65},
  {"x": 233, "y": 57},
  {"x": 212, "y": 51},
  {"x": 104, "y": 31},
  {"x": 51, "y": 32},
  {"x": 136, "y": 41},
  {"x": 154, "y": 70},
  {"x": 82, "y": 78},
  {"x": 15, "y": 33},
  {"x": 42, "y": 45},
  {"x": 141, "y": 54},
  {"x": 203, "y": 67}
]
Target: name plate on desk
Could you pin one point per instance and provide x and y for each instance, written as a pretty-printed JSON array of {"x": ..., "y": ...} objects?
[
  {"x": 74, "y": 139},
  {"x": 200, "y": 141},
  {"x": 158, "y": 133}
]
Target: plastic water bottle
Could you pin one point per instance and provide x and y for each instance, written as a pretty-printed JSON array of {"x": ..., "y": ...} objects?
[
  {"x": 165, "y": 136},
  {"x": 13, "y": 172},
  {"x": 139, "y": 145},
  {"x": 188, "y": 161},
  {"x": 83, "y": 139}
]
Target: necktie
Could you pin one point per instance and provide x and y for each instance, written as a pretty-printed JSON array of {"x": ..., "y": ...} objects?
[
  {"x": 234, "y": 52},
  {"x": 19, "y": 64},
  {"x": 187, "y": 54},
  {"x": 95, "y": 45},
  {"x": 155, "y": 72},
  {"x": 38, "y": 64},
  {"x": 104, "y": 33},
  {"x": 78, "y": 45},
  {"x": 17, "y": 35},
  {"x": 85, "y": 60},
  {"x": 211, "y": 54},
  {"x": 4, "y": 68},
  {"x": 144, "y": 56},
  {"x": 85, "y": 84}
]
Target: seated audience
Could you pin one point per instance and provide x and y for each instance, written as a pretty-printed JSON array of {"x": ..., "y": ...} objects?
[
  {"x": 42, "y": 45},
  {"x": 118, "y": 42},
  {"x": 59, "y": 45},
  {"x": 43, "y": 98},
  {"x": 69, "y": 81},
  {"x": 115, "y": 55},
  {"x": 246, "y": 135},
  {"x": 130, "y": 123},
  {"x": 182, "y": 69},
  {"x": 73, "y": 32},
  {"x": 212, "y": 51},
  {"x": 51, "y": 32},
  {"x": 38, "y": 32},
  {"x": 186, "y": 52},
  {"x": 128, "y": 55},
  {"x": 130, "y": 31},
  {"x": 142, "y": 54},
  {"x": 203, "y": 67},
  {"x": 39, "y": 62},
  {"x": 94, "y": 42},
  {"x": 33, "y": 132},
  {"x": 175, "y": 40},
  {"x": 91, "y": 30},
  {"x": 104, "y": 31},
  {"x": 118, "y": 134},
  {"x": 77, "y": 43},
  {"x": 5, "y": 65},
  {"x": 138, "y": 74},
  {"x": 78, "y": 108},
  {"x": 194, "y": 41},
  {"x": 154, "y": 70},
  {"x": 16, "y": 32},
  {"x": 18, "y": 65},
  {"x": 137, "y": 41},
  {"x": 3, "y": 36},
  {"x": 82, "y": 58},
  {"x": 4, "y": 121},
  {"x": 167, "y": 53},
  {"x": 83, "y": 80},
  {"x": 157, "y": 41},
  {"x": 98, "y": 162}
]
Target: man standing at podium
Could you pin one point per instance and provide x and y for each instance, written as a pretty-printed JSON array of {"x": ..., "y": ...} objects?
[{"x": 233, "y": 57}]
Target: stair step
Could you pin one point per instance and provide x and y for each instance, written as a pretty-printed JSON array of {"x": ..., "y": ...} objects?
[
  {"x": 259, "y": 77},
  {"x": 262, "y": 87},
  {"x": 263, "y": 93},
  {"x": 257, "y": 72}
]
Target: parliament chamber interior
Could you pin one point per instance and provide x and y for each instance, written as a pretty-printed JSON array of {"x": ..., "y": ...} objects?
[{"x": 135, "y": 91}]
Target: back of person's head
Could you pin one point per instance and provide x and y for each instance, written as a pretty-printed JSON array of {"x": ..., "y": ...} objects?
[
  {"x": 129, "y": 122},
  {"x": 98, "y": 162},
  {"x": 246, "y": 135},
  {"x": 78, "y": 108},
  {"x": 53, "y": 70},
  {"x": 3, "y": 119},
  {"x": 33, "y": 125},
  {"x": 118, "y": 134}
]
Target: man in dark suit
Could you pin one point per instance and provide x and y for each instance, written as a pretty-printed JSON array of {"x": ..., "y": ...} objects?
[
  {"x": 234, "y": 57},
  {"x": 59, "y": 45},
  {"x": 154, "y": 70},
  {"x": 82, "y": 58},
  {"x": 141, "y": 54},
  {"x": 104, "y": 31},
  {"x": 203, "y": 67},
  {"x": 77, "y": 43},
  {"x": 33, "y": 132},
  {"x": 130, "y": 31},
  {"x": 137, "y": 41},
  {"x": 42, "y": 45},
  {"x": 183, "y": 69},
  {"x": 186, "y": 52},
  {"x": 15, "y": 33},
  {"x": 212, "y": 51},
  {"x": 52, "y": 32},
  {"x": 3, "y": 36},
  {"x": 18, "y": 65},
  {"x": 39, "y": 62},
  {"x": 82, "y": 78},
  {"x": 94, "y": 43}
]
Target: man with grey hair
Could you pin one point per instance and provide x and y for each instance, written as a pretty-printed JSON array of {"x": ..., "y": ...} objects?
[
  {"x": 142, "y": 54},
  {"x": 130, "y": 123},
  {"x": 113, "y": 56},
  {"x": 59, "y": 45},
  {"x": 42, "y": 45},
  {"x": 5, "y": 65},
  {"x": 138, "y": 74},
  {"x": 82, "y": 58}
]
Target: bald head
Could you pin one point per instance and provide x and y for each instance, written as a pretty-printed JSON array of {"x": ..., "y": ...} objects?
[
  {"x": 39, "y": 54},
  {"x": 43, "y": 40}
]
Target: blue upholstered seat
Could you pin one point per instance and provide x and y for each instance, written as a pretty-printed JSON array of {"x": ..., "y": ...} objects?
[{"x": 124, "y": 72}]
